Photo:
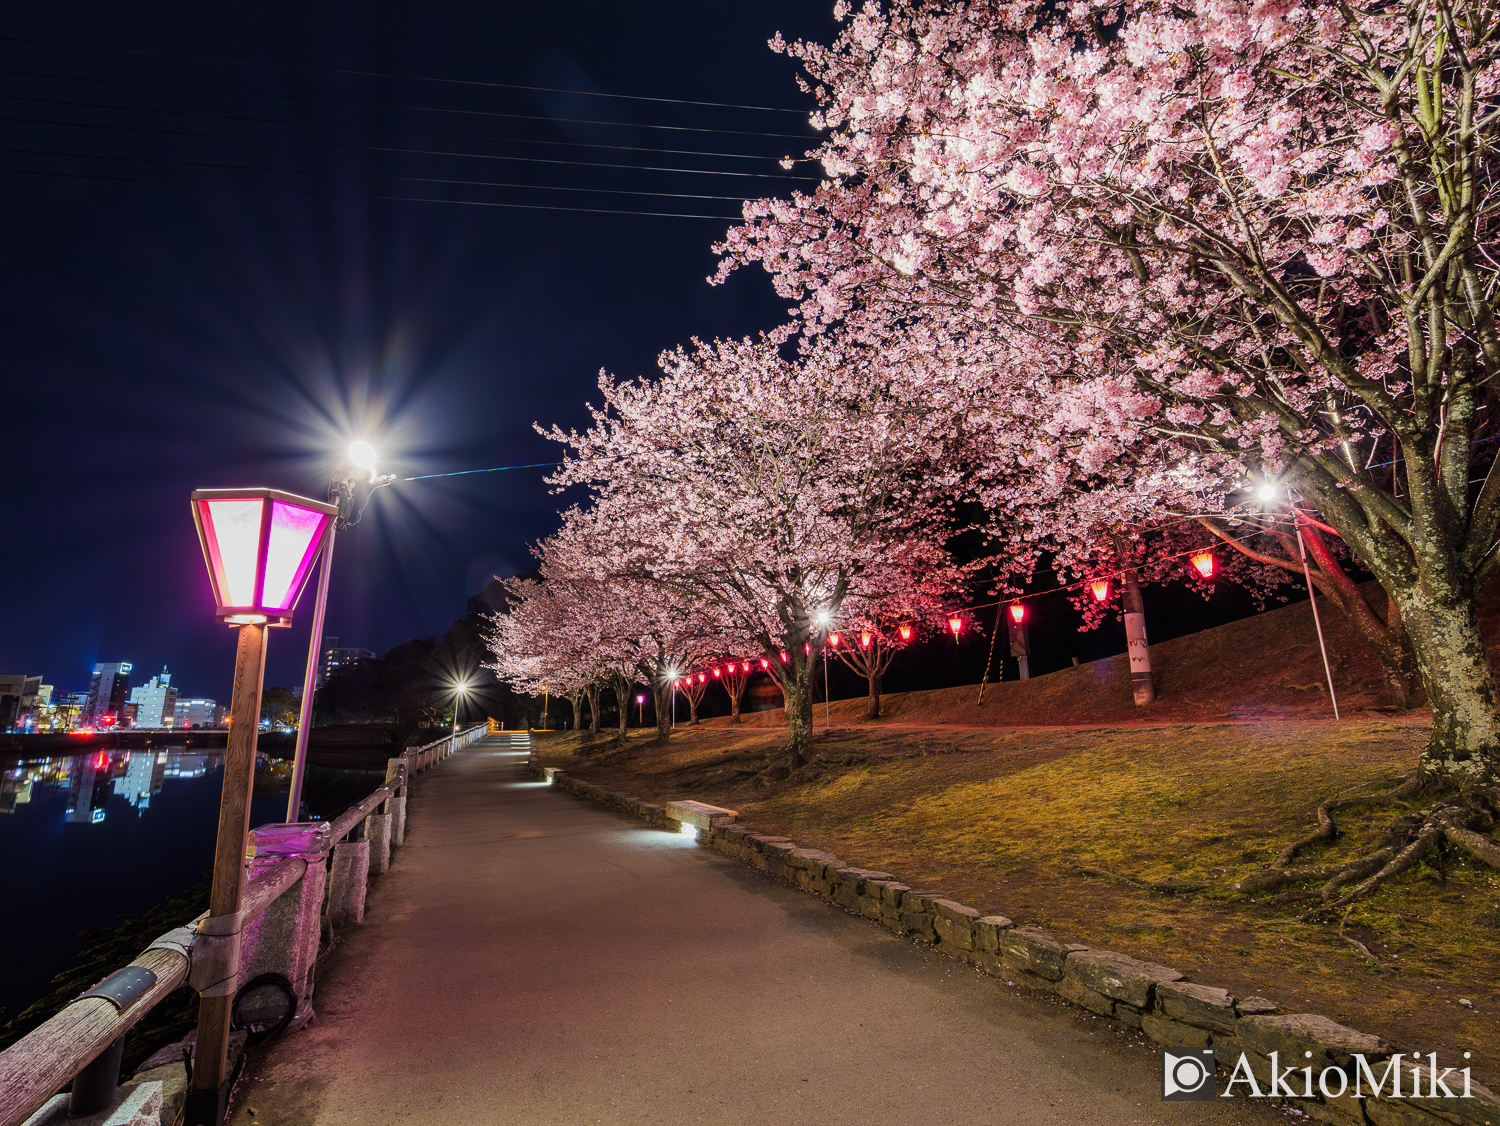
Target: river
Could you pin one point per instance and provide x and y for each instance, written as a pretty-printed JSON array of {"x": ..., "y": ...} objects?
[{"x": 88, "y": 838}]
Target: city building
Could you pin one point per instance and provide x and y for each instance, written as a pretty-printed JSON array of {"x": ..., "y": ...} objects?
[
  {"x": 144, "y": 772},
  {"x": 68, "y": 713},
  {"x": 336, "y": 657},
  {"x": 197, "y": 713},
  {"x": 156, "y": 702},
  {"x": 109, "y": 692},
  {"x": 18, "y": 695}
]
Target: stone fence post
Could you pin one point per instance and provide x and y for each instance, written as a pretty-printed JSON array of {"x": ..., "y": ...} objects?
[{"x": 284, "y": 938}]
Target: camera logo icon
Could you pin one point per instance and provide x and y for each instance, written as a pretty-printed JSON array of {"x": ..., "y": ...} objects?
[{"x": 1187, "y": 1074}]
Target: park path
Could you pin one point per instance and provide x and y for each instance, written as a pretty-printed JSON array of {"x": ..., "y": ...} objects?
[{"x": 531, "y": 958}]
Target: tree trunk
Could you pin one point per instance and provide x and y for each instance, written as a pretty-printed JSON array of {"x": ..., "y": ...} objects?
[
  {"x": 873, "y": 711},
  {"x": 622, "y": 694},
  {"x": 1465, "y": 741},
  {"x": 692, "y": 710},
  {"x": 662, "y": 695},
  {"x": 797, "y": 689},
  {"x": 576, "y": 699},
  {"x": 1386, "y": 639},
  {"x": 593, "y": 695},
  {"x": 734, "y": 705}
]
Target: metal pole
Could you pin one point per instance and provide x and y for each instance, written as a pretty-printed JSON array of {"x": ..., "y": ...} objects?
[
  {"x": 310, "y": 680},
  {"x": 1312, "y": 596},
  {"x": 210, "y": 1085},
  {"x": 827, "y": 715}
]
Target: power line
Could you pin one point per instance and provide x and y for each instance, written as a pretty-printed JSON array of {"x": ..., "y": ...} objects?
[
  {"x": 377, "y": 175},
  {"x": 397, "y": 129},
  {"x": 407, "y": 77},
  {"x": 368, "y": 148},
  {"x": 365, "y": 195},
  {"x": 413, "y": 109}
]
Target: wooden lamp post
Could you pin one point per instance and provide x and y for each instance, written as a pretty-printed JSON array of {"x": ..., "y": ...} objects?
[{"x": 259, "y": 545}]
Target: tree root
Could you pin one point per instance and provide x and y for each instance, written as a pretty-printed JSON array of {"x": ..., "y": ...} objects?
[
  {"x": 1354, "y": 942},
  {"x": 1327, "y": 829},
  {"x": 1168, "y": 886}
]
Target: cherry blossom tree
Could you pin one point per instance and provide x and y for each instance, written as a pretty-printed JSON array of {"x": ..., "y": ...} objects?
[
  {"x": 757, "y": 489},
  {"x": 1219, "y": 247}
]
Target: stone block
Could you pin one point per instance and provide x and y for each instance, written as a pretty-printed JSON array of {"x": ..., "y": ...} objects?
[
  {"x": 1202, "y": 1005},
  {"x": 919, "y": 924},
  {"x": 1071, "y": 989},
  {"x": 952, "y": 933},
  {"x": 989, "y": 963},
  {"x": 1026, "y": 979},
  {"x": 987, "y": 932},
  {"x": 136, "y": 1104},
  {"x": 1291, "y": 1034},
  {"x": 1256, "y": 1006},
  {"x": 1172, "y": 1033},
  {"x": 1118, "y": 976},
  {"x": 868, "y": 906},
  {"x": 347, "y": 882},
  {"x": 845, "y": 895},
  {"x": 1128, "y": 1015},
  {"x": 1032, "y": 950}
]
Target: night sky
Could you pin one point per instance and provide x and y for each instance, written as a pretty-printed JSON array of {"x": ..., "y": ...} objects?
[{"x": 158, "y": 336}]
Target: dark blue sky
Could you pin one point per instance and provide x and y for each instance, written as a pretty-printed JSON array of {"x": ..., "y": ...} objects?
[{"x": 158, "y": 337}]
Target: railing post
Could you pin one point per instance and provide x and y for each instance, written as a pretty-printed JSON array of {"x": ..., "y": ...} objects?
[
  {"x": 378, "y": 834},
  {"x": 395, "y": 775},
  {"x": 346, "y": 886},
  {"x": 284, "y": 938},
  {"x": 95, "y": 1087}
]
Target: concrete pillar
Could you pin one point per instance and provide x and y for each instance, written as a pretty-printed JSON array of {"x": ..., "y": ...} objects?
[
  {"x": 284, "y": 938},
  {"x": 378, "y": 835},
  {"x": 395, "y": 772},
  {"x": 346, "y": 887}
]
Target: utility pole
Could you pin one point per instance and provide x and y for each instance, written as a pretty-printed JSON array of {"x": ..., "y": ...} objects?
[{"x": 1136, "y": 645}]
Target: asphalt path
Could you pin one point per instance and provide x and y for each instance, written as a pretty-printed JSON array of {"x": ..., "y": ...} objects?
[{"x": 533, "y": 958}]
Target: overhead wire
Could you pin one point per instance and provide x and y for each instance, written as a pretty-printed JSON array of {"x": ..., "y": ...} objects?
[
  {"x": 406, "y": 108},
  {"x": 359, "y": 173},
  {"x": 387, "y": 74},
  {"x": 369, "y": 148},
  {"x": 365, "y": 195}
]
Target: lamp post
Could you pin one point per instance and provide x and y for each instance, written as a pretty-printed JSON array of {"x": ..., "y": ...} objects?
[
  {"x": 341, "y": 495},
  {"x": 259, "y": 545},
  {"x": 640, "y": 706},
  {"x": 461, "y": 691}
]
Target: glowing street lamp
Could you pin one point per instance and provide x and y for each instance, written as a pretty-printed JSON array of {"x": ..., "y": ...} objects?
[
  {"x": 1205, "y": 563},
  {"x": 864, "y": 640},
  {"x": 640, "y": 703},
  {"x": 956, "y": 625},
  {"x": 1017, "y": 613},
  {"x": 905, "y": 632},
  {"x": 461, "y": 691},
  {"x": 259, "y": 545},
  {"x": 1100, "y": 587},
  {"x": 341, "y": 493}
]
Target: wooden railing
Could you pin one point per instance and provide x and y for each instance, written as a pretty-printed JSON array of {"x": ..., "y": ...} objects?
[{"x": 37, "y": 1066}]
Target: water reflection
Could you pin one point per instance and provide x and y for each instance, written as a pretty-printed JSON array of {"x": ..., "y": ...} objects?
[{"x": 89, "y": 779}]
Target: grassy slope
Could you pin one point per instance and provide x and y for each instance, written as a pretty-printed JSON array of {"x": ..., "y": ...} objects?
[{"x": 1001, "y": 806}]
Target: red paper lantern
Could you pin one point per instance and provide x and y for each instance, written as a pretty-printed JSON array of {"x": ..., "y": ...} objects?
[
  {"x": 1100, "y": 587},
  {"x": 716, "y": 672},
  {"x": 1205, "y": 563},
  {"x": 747, "y": 667},
  {"x": 864, "y": 641},
  {"x": 1017, "y": 613},
  {"x": 905, "y": 632},
  {"x": 765, "y": 664},
  {"x": 833, "y": 639},
  {"x": 259, "y": 545}
]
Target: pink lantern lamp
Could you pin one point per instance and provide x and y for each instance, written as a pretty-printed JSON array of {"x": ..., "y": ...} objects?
[{"x": 259, "y": 545}]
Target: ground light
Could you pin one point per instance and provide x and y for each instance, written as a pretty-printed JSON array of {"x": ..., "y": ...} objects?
[{"x": 259, "y": 546}]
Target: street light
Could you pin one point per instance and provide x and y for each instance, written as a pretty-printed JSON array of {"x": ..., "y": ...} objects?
[
  {"x": 259, "y": 546},
  {"x": 461, "y": 691},
  {"x": 341, "y": 494},
  {"x": 640, "y": 704},
  {"x": 1204, "y": 562}
]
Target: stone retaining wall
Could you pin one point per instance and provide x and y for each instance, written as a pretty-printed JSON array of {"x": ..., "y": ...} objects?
[{"x": 1153, "y": 999}]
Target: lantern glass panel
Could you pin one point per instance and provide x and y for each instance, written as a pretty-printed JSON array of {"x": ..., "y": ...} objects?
[
  {"x": 295, "y": 535},
  {"x": 233, "y": 532}
]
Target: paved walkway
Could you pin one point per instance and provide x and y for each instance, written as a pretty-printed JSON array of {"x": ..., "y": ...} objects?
[{"x": 531, "y": 958}]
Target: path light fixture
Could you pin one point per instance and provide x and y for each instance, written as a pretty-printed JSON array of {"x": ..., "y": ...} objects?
[
  {"x": 1017, "y": 613},
  {"x": 640, "y": 704},
  {"x": 259, "y": 546},
  {"x": 461, "y": 690},
  {"x": 1205, "y": 562},
  {"x": 834, "y": 639},
  {"x": 1100, "y": 588}
]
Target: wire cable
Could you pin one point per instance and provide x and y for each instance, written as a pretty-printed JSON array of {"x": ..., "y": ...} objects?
[
  {"x": 362, "y": 173},
  {"x": 386, "y": 74},
  {"x": 370, "y": 148},
  {"x": 411, "y": 109},
  {"x": 365, "y": 195}
]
